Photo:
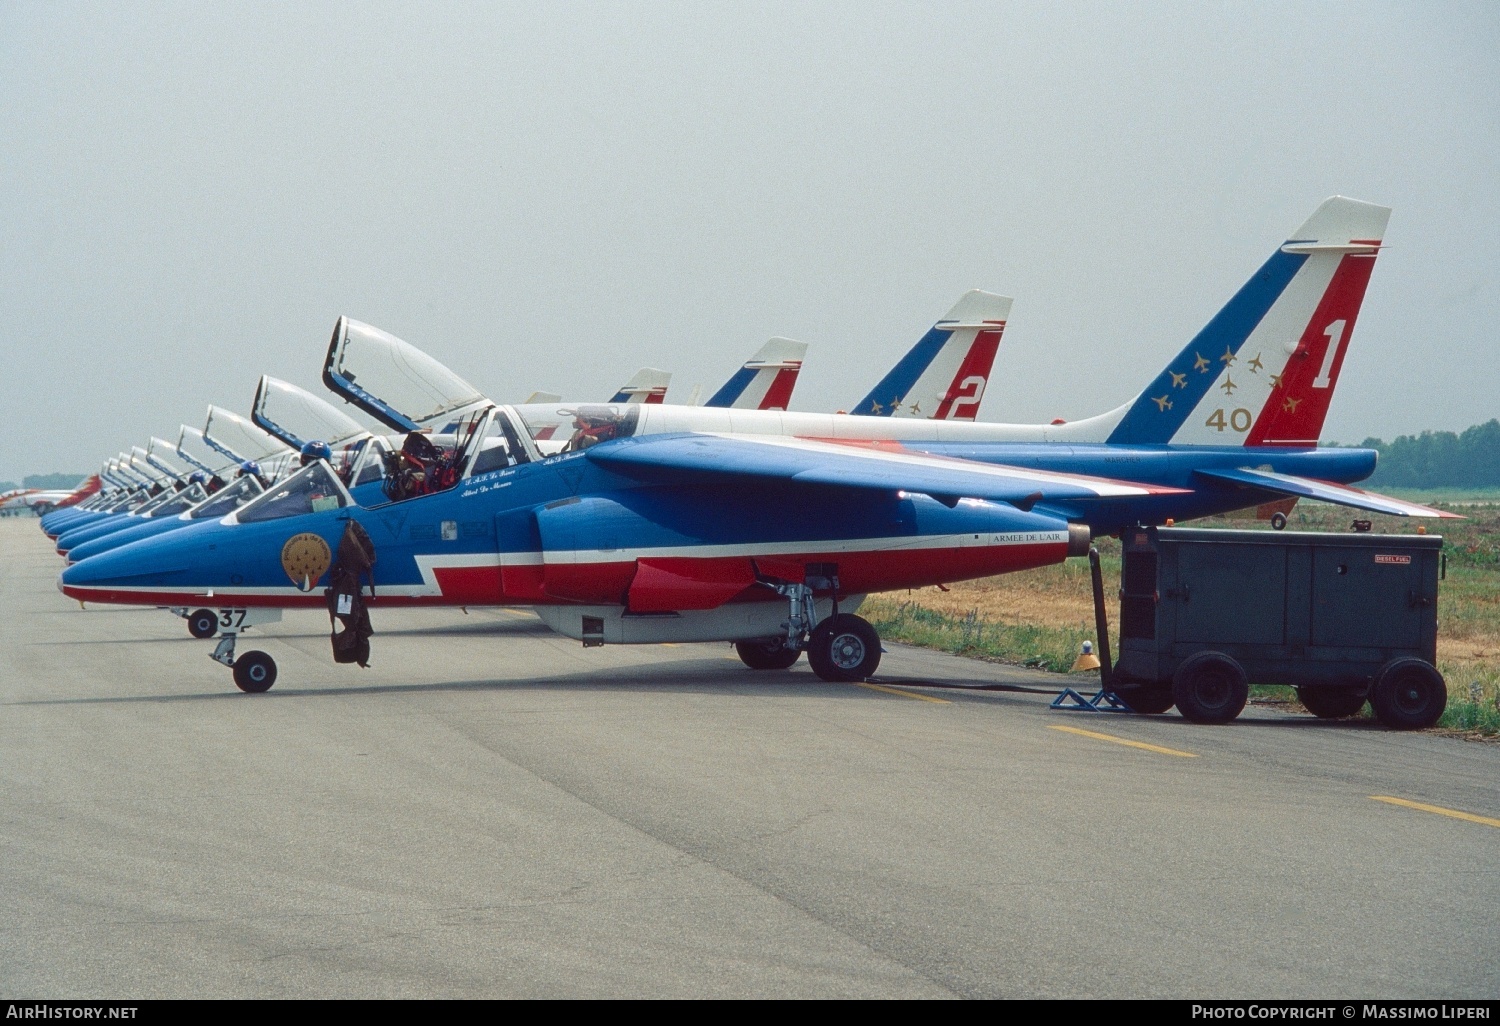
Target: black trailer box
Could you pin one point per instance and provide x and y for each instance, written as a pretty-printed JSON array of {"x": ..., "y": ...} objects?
[{"x": 1342, "y": 617}]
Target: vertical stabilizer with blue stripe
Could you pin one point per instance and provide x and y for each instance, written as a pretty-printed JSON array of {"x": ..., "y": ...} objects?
[
  {"x": 944, "y": 375},
  {"x": 1244, "y": 370},
  {"x": 766, "y": 380}
]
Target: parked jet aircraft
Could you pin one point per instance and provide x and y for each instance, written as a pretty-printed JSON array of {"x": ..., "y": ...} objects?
[
  {"x": 32, "y": 499},
  {"x": 659, "y": 523}
]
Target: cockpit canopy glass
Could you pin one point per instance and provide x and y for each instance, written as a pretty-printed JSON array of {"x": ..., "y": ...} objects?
[
  {"x": 228, "y": 499},
  {"x": 558, "y": 428},
  {"x": 180, "y": 502},
  {"x": 363, "y": 461},
  {"x": 132, "y": 501},
  {"x": 192, "y": 448},
  {"x": 396, "y": 373},
  {"x": 146, "y": 508},
  {"x": 315, "y": 489},
  {"x": 296, "y": 416},
  {"x": 502, "y": 443},
  {"x": 238, "y": 436}
]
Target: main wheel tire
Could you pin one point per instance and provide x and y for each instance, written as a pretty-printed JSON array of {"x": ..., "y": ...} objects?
[
  {"x": 1210, "y": 687},
  {"x": 203, "y": 623},
  {"x": 766, "y": 654},
  {"x": 1332, "y": 703},
  {"x": 1409, "y": 694},
  {"x": 844, "y": 648},
  {"x": 1278, "y": 521},
  {"x": 1147, "y": 699},
  {"x": 254, "y": 672}
]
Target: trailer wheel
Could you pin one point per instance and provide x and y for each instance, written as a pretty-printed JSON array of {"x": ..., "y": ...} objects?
[
  {"x": 843, "y": 648},
  {"x": 1210, "y": 687},
  {"x": 766, "y": 654},
  {"x": 1409, "y": 694},
  {"x": 1278, "y": 521},
  {"x": 1332, "y": 703},
  {"x": 203, "y": 623},
  {"x": 1148, "y": 699}
]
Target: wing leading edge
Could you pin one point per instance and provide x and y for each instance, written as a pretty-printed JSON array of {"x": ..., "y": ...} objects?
[{"x": 816, "y": 462}]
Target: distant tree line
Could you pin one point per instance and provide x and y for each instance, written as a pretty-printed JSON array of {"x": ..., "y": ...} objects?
[
  {"x": 47, "y": 482},
  {"x": 1438, "y": 459}
]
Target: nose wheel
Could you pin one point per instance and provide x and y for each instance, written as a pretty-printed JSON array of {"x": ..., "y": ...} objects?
[{"x": 254, "y": 672}]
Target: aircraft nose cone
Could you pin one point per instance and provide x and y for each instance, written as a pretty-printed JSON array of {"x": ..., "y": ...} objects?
[{"x": 125, "y": 574}]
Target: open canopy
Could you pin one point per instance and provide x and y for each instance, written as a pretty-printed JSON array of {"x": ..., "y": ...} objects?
[
  {"x": 296, "y": 416},
  {"x": 237, "y": 438},
  {"x": 393, "y": 381}
]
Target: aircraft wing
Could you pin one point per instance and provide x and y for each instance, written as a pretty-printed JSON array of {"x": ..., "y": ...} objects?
[
  {"x": 880, "y": 466},
  {"x": 1324, "y": 491}
]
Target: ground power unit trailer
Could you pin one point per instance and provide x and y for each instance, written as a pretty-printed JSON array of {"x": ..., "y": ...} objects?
[{"x": 1343, "y": 618}]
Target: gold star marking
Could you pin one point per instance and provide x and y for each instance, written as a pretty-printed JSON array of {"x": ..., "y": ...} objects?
[
  {"x": 1163, "y": 404},
  {"x": 1228, "y": 358},
  {"x": 1256, "y": 365},
  {"x": 1200, "y": 364},
  {"x": 1275, "y": 380},
  {"x": 1290, "y": 406},
  {"x": 1178, "y": 380},
  {"x": 1229, "y": 386}
]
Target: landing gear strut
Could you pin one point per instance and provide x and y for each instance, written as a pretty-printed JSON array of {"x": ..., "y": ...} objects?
[
  {"x": 254, "y": 671},
  {"x": 842, "y": 647}
]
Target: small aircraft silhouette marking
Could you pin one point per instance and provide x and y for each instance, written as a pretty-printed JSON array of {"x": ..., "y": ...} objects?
[
  {"x": 1163, "y": 404},
  {"x": 1200, "y": 364},
  {"x": 1229, "y": 386},
  {"x": 1178, "y": 380}
]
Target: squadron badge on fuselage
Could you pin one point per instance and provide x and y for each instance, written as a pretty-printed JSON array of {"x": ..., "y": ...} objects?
[{"x": 305, "y": 558}]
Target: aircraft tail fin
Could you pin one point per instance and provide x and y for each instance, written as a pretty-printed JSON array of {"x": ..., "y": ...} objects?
[
  {"x": 944, "y": 375},
  {"x": 1263, "y": 370},
  {"x": 648, "y": 386},
  {"x": 766, "y": 380}
]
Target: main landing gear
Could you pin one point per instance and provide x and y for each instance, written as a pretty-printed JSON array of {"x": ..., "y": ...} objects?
[
  {"x": 253, "y": 671},
  {"x": 841, "y": 647}
]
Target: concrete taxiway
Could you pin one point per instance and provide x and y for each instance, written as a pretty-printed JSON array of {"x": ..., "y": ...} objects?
[{"x": 491, "y": 810}]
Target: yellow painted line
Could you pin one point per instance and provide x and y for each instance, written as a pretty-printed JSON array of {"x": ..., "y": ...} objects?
[
  {"x": 903, "y": 694},
  {"x": 1437, "y": 809},
  {"x": 1125, "y": 741}
]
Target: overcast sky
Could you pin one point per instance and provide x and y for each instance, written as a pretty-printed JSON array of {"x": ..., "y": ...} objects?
[{"x": 548, "y": 195}]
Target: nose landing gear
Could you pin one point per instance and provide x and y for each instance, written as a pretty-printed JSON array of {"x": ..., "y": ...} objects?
[{"x": 254, "y": 671}]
